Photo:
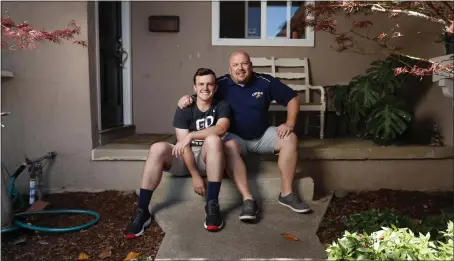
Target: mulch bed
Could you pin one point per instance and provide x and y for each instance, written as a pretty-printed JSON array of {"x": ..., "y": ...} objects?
[
  {"x": 115, "y": 209},
  {"x": 412, "y": 203}
]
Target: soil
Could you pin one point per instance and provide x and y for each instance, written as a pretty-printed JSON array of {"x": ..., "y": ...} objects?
[
  {"x": 412, "y": 203},
  {"x": 115, "y": 209}
]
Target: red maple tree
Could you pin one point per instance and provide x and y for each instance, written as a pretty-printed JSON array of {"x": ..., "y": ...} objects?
[
  {"x": 24, "y": 36},
  {"x": 323, "y": 18}
]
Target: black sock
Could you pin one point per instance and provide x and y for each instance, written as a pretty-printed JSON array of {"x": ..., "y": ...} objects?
[
  {"x": 213, "y": 190},
  {"x": 144, "y": 199}
]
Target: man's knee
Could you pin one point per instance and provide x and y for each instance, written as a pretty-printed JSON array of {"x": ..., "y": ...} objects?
[
  {"x": 232, "y": 147},
  {"x": 213, "y": 143},
  {"x": 290, "y": 140},
  {"x": 158, "y": 150}
]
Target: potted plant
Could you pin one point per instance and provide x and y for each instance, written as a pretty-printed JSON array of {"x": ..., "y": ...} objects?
[{"x": 448, "y": 39}]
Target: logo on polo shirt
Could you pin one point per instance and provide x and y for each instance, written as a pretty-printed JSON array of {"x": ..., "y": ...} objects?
[{"x": 257, "y": 94}]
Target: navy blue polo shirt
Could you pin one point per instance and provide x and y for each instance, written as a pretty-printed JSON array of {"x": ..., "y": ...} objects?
[{"x": 251, "y": 102}]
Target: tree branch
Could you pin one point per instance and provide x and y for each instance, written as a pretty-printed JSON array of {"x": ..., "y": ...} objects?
[
  {"x": 379, "y": 8},
  {"x": 432, "y": 7},
  {"x": 447, "y": 5},
  {"x": 385, "y": 46}
]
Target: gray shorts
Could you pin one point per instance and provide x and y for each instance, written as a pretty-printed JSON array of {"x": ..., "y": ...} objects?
[
  {"x": 264, "y": 144},
  {"x": 179, "y": 168}
]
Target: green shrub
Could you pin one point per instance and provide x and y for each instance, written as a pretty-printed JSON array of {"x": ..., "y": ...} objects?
[
  {"x": 392, "y": 244},
  {"x": 370, "y": 101},
  {"x": 373, "y": 219}
]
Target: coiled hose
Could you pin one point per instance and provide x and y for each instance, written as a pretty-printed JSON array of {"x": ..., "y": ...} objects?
[
  {"x": 15, "y": 195},
  {"x": 19, "y": 224}
]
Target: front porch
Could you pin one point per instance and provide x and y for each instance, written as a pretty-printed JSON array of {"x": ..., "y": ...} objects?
[
  {"x": 325, "y": 165},
  {"x": 135, "y": 147}
]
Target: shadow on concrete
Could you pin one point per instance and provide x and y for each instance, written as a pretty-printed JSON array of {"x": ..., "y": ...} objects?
[{"x": 170, "y": 195}]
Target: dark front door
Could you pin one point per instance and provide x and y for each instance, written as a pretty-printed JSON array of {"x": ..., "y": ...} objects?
[{"x": 111, "y": 73}]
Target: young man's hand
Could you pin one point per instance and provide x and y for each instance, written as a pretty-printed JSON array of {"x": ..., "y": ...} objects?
[
  {"x": 178, "y": 149},
  {"x": 185, "y": 101},
  {"x": 198, "y": 184}
]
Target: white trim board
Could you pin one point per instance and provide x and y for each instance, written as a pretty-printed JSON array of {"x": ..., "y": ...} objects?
[
  {"x": 309, "y": 41},
  {"x": 127, "y": 69}
]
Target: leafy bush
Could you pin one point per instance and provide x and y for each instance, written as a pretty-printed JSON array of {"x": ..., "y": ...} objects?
[
  {"x": 370, "y": 101},
  {"x": 372, "y": 220},
  {"x": 392, "y": 244}
]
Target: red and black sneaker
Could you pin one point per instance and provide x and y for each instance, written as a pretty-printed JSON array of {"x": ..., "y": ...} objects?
[
  {"x": 213, "y": 219},
  {"x": 138, "y": 224}
]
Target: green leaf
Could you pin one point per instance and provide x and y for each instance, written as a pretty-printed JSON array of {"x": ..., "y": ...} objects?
[
  {"x": 388, "y": 119},
  {"x": 365, "y": 250}
]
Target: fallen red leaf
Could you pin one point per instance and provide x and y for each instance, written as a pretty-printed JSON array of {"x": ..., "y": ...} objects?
[
  {"x": 290, "y": 237},
  {"x": 106, "y": 252}
]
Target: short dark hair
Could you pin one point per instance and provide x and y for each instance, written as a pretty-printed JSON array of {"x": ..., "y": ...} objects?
[{"x": 203, "y": 72}]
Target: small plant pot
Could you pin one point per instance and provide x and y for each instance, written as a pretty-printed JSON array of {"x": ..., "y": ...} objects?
[
  {"x": 449, "y": 48},
  {"x": 449, "y": 43}
]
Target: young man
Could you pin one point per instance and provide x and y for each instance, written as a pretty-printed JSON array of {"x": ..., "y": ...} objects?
[
  {"x": 250, "y": 94},
  {"x": 198, "y": 152}
]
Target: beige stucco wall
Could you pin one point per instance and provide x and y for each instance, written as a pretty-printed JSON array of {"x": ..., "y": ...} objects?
[
  {"x": 165, "y": 62},
  {"x": 48, "y": 96}
]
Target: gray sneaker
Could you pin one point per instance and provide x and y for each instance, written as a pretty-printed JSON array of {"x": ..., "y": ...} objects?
[
  {"x": 250, "y": 210},
  {"x": 294, "y": 203}
]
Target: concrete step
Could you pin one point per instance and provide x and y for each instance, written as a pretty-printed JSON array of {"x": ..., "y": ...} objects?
[
  {"x": 264, "y": 181},
  {"x": 186, "y": 238},
  {"x": 264, "y": 187},
  {"x": 328, "y": 149}
]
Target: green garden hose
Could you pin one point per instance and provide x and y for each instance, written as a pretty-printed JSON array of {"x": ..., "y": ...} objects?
[
  {"x": 15, "y": 195},
  {"x": 19, "y": 224}
]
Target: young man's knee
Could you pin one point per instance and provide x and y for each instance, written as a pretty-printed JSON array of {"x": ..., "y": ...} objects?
[
  {"x": 159, "y": 150},
  {"x": 213, "y": 143}
]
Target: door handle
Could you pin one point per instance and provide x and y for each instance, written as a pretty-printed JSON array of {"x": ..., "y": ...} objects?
[
  {"x": 122, "y": 52},
  {"x": 123, "y": 60}
]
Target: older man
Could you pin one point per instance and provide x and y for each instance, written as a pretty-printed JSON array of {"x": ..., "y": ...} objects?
[{"x": 249, "y": 95}]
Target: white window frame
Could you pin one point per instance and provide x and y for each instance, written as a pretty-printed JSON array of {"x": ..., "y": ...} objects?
[
  {"x": 263, "y": 41},
  {"x": 127, "y": 70}
]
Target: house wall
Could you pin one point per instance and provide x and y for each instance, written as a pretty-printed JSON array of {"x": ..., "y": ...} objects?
[
  {"x": 164, "y": 63},
  {"x": 49, "y": 97}
]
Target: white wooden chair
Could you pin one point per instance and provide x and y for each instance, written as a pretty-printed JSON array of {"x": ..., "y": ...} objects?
[{"x": 307, "y": 104}]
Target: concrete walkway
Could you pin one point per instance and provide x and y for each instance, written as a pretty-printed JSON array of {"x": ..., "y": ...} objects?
[{"x": 186, "y": 237}]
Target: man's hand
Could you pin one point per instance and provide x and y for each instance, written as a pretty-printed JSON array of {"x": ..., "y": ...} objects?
[
  {"x": 198, "y": 185},
  {"x": 284, "y": 130},
  {"x": 178, "y": 149},
  {"x": 185, "y": 101}
]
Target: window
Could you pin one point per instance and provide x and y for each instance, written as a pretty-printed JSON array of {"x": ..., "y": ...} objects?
[{"x": 260, "y": 23}]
